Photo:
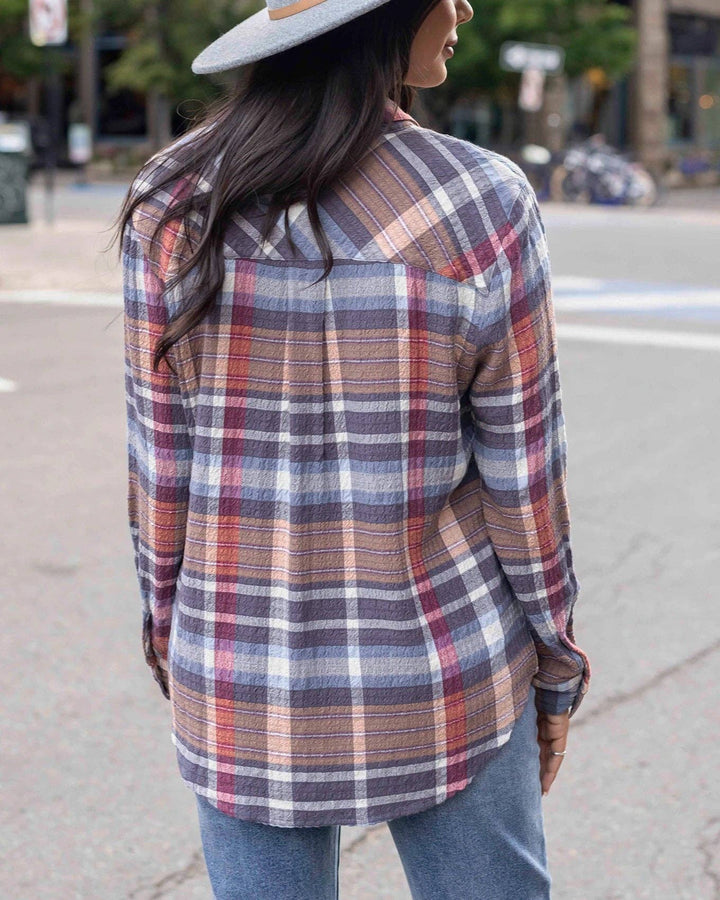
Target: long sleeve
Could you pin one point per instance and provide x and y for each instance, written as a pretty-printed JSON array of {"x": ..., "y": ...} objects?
[
  {"x": 159, "y": 453},
  {"x": 521, "y": 451}
]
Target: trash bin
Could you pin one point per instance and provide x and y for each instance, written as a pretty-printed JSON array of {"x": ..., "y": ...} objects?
[{"x": 14, "y": 150}]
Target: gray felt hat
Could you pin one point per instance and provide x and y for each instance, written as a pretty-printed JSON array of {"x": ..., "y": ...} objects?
[{"x": 281, "y": 25}]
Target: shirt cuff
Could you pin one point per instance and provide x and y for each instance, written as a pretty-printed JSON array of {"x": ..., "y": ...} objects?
[
  {"x": 558, "y": 699},
  {"x": 158, "y": 664}
]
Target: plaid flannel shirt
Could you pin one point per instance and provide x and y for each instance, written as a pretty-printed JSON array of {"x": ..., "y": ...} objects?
[{"x": 347, "y": 499}]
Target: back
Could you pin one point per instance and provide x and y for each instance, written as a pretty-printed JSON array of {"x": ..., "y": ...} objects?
[{"x": 349, "y": 508}]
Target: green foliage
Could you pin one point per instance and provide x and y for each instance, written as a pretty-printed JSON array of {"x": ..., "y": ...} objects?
[
  {"x": 594, "y": 33},
  {"x": 166, "y": 35},
  {"x": 18, "y": 56},
  {"x": 164, "y": 38}
]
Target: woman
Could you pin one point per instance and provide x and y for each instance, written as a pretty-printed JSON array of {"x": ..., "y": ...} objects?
[{"x": 347, "y": 465}]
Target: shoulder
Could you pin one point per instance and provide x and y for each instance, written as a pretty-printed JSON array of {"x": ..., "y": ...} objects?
[
  {"x": 435, "y": 146},
  {"x": 156, "y": 188},
  {"x": 444, "y": 161},
  {"x": 448, "y": 197}
]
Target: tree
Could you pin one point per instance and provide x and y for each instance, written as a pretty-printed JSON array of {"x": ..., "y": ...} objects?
[
  {"x": 19, "y": 57},
  {"x": 594, "y": 33},
  {"x": 164, "y": 38},
  {"x": 166, "y": 35}
]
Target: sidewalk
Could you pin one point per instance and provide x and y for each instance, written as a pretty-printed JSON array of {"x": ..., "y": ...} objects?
[
  {"x": 693, "y": 198},
  {"x": 69, "y": 253}
]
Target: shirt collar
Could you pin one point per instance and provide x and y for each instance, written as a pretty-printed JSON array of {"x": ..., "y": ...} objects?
[{"x": 392, "y": 114}]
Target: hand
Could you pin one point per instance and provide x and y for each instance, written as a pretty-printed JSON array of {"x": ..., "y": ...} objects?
[
  {"x": 552, "y": 735},
  {"x": 159, "y": 667},
  {"x": 160, "y": 675}
]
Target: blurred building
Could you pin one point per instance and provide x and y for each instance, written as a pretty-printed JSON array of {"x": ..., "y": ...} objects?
[
  {"x": 666, "y": 111},
  {"x": 675, "y": 89},
  {"x": 120, "y": 121}
]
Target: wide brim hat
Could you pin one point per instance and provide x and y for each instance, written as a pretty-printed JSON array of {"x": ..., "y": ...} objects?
[{"x": 281, "y": 25}]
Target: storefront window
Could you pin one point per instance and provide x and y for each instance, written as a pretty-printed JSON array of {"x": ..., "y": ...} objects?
[
  {"x": 681, "y": 101},
  {"x": 694, "y": 102},
  {"x": 694, "y": 35},
  {"x": 694, "y": 88},
  {"x": 121, "y": 113},
  {"x": 708, "y": 104}
]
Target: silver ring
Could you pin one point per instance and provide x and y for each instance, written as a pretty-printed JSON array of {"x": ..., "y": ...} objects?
[{"x": 558, "y": 752}]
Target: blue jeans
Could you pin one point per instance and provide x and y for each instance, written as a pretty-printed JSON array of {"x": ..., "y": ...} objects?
[{"x": 486, "y": 842}]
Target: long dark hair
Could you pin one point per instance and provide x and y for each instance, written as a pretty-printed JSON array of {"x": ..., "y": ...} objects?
[{"x": 294, "y": 124}]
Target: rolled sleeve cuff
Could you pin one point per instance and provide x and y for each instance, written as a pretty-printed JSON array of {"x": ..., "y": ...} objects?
[
  {"x": 560, "y": 698},
  {"x": 158, "y": 664}
]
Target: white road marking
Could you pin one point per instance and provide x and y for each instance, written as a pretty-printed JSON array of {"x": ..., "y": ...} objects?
[
  {"x": 688, "y": 340},
  {"x": 563, "y": 283},
  {"x": 682, "y": 298},
  {"x": 562, "y": 216},
  {"x": 7, "y": 386},
  {"x": 63, "y": 298}
]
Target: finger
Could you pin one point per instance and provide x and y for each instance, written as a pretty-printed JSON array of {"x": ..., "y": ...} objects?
[
  {"x": 553, "y": 728},
  {"x": 551, "y": 769},
  {"x": 552, "y": 739}
]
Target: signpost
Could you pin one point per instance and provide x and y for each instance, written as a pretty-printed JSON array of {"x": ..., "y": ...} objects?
[
  {"x": 535, "y": 62},
  {"x": 547, "y": 58},
  {"x": 48, "y": 27},
  {"x": 532, "y": 90},
  {"x": 48, "y": 22}
]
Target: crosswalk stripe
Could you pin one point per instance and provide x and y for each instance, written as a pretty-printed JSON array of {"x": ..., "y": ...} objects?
[
  {"x": 688, "y": 340},
  {"x": 63, "y": 298},
  {"x": 630, "y": 301}
]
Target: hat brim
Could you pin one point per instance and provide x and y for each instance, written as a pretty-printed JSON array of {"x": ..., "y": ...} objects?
[{"x": 259, "y": 36}]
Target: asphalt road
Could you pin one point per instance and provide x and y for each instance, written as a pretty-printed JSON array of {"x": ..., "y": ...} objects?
[{"x": 91, "y": 803}]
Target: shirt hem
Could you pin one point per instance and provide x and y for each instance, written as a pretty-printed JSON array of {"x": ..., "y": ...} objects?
[{"x": 379, "y": 812}]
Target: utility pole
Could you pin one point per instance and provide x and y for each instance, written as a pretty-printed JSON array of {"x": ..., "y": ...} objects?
[
  {"x": 650, "y": 84},
  {"x": 48, "y": 28},
  {"x": 87, "y": 67},
  {"x": 158, "y": 104}
]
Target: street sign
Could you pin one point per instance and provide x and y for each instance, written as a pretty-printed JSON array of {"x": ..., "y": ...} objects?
[
  {"x": 79, "y": 143},
  {"x": 48, "y": 22},
  {"x": 515, "y": 57},
  {"x": 532, "y": 90}
]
